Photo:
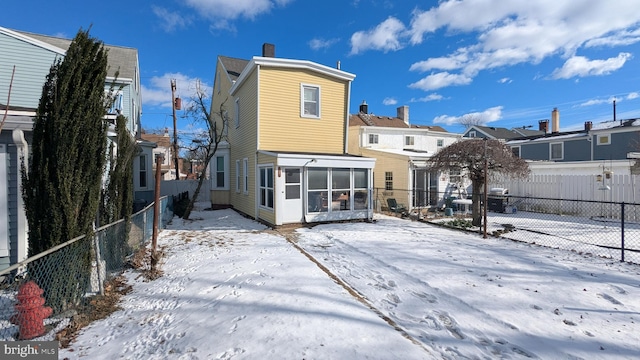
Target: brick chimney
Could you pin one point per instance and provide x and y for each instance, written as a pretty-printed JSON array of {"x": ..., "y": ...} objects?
[
  {"x": 588, "y": 125},
  {"x": 364, "y": 108},
  {"x": 403, "y": 113},
  {"x": 543, "y": 125},
  {"x": 268, "y": 50}
]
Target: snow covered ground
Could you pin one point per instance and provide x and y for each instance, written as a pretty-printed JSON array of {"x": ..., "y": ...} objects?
[{"x": 393, "y": 289}]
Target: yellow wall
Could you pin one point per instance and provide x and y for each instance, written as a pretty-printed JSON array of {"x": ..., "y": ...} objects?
[
  {"x": 354, "y": 140},
  {"x": 397, "y": 164},
  {"x": 281, "y": 126}
]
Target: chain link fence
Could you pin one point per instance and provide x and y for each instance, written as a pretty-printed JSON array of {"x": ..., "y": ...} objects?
[
  {"x": 40, "y": 295},
  {"x": 596, "y": 228}
]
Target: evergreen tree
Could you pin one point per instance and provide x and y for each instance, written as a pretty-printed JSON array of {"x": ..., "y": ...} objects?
[
  {"x": 61, "y": 187},
  {"x": 63, "y": 182}
]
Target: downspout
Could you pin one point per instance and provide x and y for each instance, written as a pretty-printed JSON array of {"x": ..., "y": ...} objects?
[{"x": 22, "y": 147}]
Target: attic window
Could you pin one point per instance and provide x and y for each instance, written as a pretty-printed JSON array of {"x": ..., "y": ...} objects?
[{"x": 472, "y": 134}]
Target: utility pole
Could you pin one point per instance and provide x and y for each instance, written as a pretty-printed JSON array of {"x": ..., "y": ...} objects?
[
  {"x": 484, "y": 208},
  {"x": 175, "y": 130}
]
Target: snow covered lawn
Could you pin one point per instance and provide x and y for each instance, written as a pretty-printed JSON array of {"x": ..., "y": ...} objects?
[{"x": 232, "y": 289}]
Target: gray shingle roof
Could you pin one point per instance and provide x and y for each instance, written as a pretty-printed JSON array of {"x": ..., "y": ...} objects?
[
  {"x": 120, "y": 58},
  {"x": 234, "y": 66}
]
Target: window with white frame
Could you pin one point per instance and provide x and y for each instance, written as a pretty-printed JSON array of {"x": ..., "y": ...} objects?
[
  {"x": 373, "y": 138},
  {"x": 440, "y": 142},
  {"x": 238, "y": 176},
  {"x": 310, "y": 101},
  {"x": 245, "y": 171},
  {"x": 388, "y": 180},
  {"x": 237, "y": 114},
  {"x": 472, "y": 134},
  {"x": 266, "y": 186},
  {"x": 604, "y": 139},
  {"x": 455, "y": 176},
  {"x": 409, "y": 140},
  {"x": 516, "y": 151},
  {"x": 220, "y": 173},
  {"x": 142, "y": 175},
  {"x": 556, "y": 151}
]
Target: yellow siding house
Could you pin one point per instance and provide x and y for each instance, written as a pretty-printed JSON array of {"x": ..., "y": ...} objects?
[{"x": 284, "y": 158}]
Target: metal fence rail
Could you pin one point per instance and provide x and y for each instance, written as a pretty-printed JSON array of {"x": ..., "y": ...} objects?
[
  {"x": 70, "y": 274},
  {"x": 598, "y": 228}
]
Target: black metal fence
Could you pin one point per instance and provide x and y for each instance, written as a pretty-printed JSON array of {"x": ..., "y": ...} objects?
[
  {"x": 62, "y": 281},
  {"x": 597, "y": 228}
]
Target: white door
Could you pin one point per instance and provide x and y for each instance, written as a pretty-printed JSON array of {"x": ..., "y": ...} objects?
[{"x": 293, "y": 211}]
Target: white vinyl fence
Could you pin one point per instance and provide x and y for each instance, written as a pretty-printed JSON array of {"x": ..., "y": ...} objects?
[{"x": 616, "y": 188}]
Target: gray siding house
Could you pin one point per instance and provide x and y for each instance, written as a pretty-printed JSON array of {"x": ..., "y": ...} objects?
[
  {"x": 32, "y": 55},
  {"x": 609, "y": 140}
]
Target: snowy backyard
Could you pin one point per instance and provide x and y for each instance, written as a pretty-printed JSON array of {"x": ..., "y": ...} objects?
[{"x": 393, "y": 289}]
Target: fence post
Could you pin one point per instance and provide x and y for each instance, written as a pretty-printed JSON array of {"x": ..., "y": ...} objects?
[
  {"x": 622, "y": 230},
  {"x": 101, "y": 281}
]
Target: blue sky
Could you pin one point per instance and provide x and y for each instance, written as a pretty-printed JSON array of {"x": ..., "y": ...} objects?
[{"x": 507, "y": 62}]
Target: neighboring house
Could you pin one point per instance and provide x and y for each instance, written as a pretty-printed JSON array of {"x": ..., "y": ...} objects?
[
  {"x": 33, "y": 55},
  {"x": 401, "y": 151},
  {"x": 499, "y": 133},
  {"x": 164, "y": 148},
  {"x": 285, "y": 160},
  {"x": 605, "y": 141}
]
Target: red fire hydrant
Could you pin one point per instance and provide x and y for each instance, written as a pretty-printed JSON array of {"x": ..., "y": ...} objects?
[{"x": 30, "y": 311}]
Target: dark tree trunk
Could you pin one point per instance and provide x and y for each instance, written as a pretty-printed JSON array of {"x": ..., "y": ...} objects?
[{"x": 476, "y": 213}]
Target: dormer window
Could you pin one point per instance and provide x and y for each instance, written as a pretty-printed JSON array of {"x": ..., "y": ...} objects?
[{"x": 310, "y": 101}]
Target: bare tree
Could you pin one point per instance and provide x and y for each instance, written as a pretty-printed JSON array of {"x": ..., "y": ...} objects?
[
  {"x": 469, "y": 156},
  {"x": 470, "y": 120},
  {"x": 206, "y": 143}
]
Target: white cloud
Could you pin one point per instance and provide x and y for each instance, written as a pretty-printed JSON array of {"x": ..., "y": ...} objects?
[
  {"x": 513, "y": 32},
  {"x": 221, "y": 12},
  {"x": 158, "y": 90},
  {"x": 171, "y": 20},
  {"x": 389, "y": 101},
  {"x": 609, "y": 100},
  {"x": 319, "y": 44},
  {"x": 582, "y": 66},
  {"x": 440, "y": 80},
  {"x": 505, "y": 80},
  {"x": 487, "y": 116},
  {"x": 385, "y": 37},
  {"x": 430, "y": 97}
]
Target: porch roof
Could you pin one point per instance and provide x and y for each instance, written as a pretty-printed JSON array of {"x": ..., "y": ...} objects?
[{"x": 320, "y": 160}]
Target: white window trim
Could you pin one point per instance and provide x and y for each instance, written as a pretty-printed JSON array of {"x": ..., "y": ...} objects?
[
  {"x": 237, "y": 112},
  {"x": 260, "y": 187},
  {"x": 472, "y": 134},
  {"x": 245, "y": 172},
  {"x": 238, "y": 176},
  {"x": 375, "y": 136},
  {"x": 604, "y": 143},
  {"x": 409, "y": 140},
  {"x": 551, "y": 152},
  {"x": 440, "y": 141},
  {"x": 214, "y": 166},
  {"x": 143, "y": 160},
  {"x": 519, "y": 150},
  {"x": 318, "y": 105}
]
